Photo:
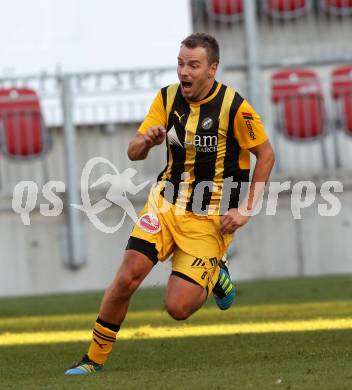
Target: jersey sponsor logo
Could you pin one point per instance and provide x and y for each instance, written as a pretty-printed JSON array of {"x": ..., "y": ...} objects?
[
  {"x": 173, "y": 138},
  {"x": 149, "y": 223},
  {"x": 248, "y": 118},
  {"x": 207, "y": 123},
  {"x": 202, "y": 143}
]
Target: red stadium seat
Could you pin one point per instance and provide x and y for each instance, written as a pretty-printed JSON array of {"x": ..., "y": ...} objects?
[
  {"x": 300, "y": 96},
  {"x": 299, "y": 106},
  {"x": 337, "y": 7},
  {"x": 225, "y": 10},
  {"x": 22, "y": 131},
  {"x": 286, "y": 8},
  {"x": 341, "y": 90}
]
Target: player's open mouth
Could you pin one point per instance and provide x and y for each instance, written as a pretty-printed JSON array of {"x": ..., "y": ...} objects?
[{"x": 186, "y": 86}]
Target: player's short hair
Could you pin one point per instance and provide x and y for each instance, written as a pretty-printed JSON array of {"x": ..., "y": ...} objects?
[{"x": 207, "y": 41}]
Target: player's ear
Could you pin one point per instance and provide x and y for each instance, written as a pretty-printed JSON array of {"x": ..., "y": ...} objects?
[{"x": 212, "y": 70}]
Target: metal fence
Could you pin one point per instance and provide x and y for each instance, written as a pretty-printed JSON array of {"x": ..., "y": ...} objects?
[
  {"x": 287, "y": 31},
  {"x": 87, "y": 115}
]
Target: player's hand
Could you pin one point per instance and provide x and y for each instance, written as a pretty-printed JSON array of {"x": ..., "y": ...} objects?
[
  {"x": 232, "y": 220},
  {"x": 155, "y": 136}
]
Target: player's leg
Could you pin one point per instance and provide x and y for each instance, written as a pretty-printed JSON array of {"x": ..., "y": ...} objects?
[
  {"x": 190, "y": 283},
  {"x": 183, "y": 296},
  {"x": 201, "y": 263},
  {"x": 134, "y": 268},
  {"x": 149, "y": 243}
]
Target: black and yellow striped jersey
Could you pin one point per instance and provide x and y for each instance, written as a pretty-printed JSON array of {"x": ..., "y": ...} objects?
[{"x": 207, "y": 146}]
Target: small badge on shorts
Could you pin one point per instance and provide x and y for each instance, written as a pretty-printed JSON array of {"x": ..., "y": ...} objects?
[
  {"x": 207, "y": 123},
  {"x": 149, "y": 223}
]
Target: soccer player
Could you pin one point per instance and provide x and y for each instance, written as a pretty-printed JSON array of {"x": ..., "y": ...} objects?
[{"x": 194, "y": 209}]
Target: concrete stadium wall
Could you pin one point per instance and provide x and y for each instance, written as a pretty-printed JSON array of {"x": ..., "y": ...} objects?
[{"x": 32, "y": 257}]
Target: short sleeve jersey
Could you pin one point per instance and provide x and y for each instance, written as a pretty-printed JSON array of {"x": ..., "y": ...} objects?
[{"x": 207, "y": 144}]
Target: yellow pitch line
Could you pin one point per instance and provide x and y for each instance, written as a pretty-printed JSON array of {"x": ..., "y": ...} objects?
[
  {"x": 204, "y": 313},
  {"x": 149, "y": 332}
]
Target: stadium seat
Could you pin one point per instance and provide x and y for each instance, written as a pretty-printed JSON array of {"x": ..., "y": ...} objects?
[
  {"x": 337, "y": 7},
  {"x": 341, "y": 90},
  {"x": 22, "y": 131},
  {"x": 299, "y": 106},
  {"x": 286, "y": 9},
  {"x": 225, "y": 10}
]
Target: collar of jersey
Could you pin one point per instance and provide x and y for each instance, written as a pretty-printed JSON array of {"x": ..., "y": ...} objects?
[{"x": 206, "y": 100}]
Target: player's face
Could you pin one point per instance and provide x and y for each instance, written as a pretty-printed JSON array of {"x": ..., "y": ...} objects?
[{"x": 196, "y": 75}]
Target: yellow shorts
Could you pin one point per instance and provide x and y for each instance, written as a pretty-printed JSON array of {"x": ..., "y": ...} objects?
[{"x": 195, "y": 242}]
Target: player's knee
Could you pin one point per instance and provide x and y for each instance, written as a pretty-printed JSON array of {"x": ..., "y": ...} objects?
[
  {"x": 124, "y": 285},
  {"x": 177, "y": 311}
]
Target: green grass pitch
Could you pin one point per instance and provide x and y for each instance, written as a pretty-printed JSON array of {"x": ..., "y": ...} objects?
[{"x": 280, "y": 334}]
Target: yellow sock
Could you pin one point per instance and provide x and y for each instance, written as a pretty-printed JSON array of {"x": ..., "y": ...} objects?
[{"x": 101, "y": 344}]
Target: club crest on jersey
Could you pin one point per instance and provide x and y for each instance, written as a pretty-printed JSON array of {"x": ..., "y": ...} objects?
[
  {"x": 149, "y": 223},
  {"x": 207, "y": 123}
]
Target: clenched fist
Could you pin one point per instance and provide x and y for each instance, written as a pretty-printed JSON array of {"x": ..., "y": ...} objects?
[{"x": 155, "y": 136}]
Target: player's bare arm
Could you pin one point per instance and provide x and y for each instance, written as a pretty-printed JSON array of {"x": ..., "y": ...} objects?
[
  {"x": 140, "y": 145},
  {"x": 236, "y": 218}
]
